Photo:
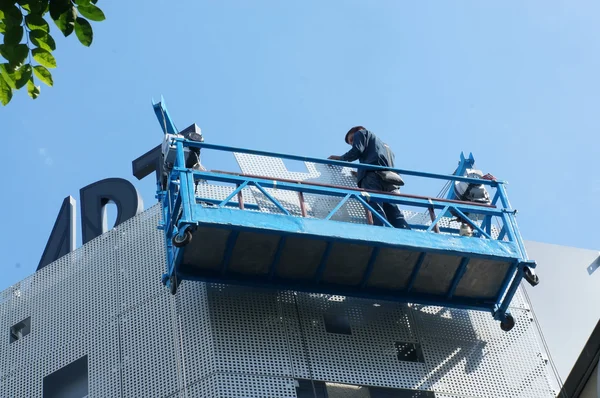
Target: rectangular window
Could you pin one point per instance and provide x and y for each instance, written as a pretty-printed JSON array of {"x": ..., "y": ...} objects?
[
  {"x": 310, "y": 389},
  {"x": 410, "y": 352},
  {"x": 70, "y": 381},
  {"x": 382, "y": 392},
  {"x": 20, "y": 330},
  {"x": 337, "y": 323}
]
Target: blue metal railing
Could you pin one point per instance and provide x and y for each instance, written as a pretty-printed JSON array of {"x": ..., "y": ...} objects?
[
  {"x": 180, "y": 196},
  {"x": 183, "y": 210}
]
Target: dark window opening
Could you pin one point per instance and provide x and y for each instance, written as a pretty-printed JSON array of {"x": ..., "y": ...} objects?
[
  {"x": 310, "y": 389},
  {"x": 319, "y": 389},
  {"x": 70, "y": 381},
  {"x": 337, "y": 323},
  {"x": 381, "y": 392},
  {"x": 20, "y": 330},
  {"x": 410, "y": 352}
]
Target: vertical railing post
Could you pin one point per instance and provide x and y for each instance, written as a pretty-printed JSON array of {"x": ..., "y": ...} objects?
[
  {"x": 369, "y": 217},
  {"x": 186, "y": 181},
  {"x": 510, "y": 222},
  {"x": 436, "y": 228},
  {"x": 240, "y": 198},
  {"x": 302, "y": 204}
]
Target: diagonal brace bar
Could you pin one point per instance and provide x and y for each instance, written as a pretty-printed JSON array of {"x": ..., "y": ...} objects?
[
  {"x": 271, "y": 198},
  {"x": 235, "y": 192},
  {"x": 438, "y": 218},
  {"x": 339, "y": 206},
  {"x": 471, "y": 223},
  {"x": 502, "y": 233},
  {"x": 373, "y": 212}
]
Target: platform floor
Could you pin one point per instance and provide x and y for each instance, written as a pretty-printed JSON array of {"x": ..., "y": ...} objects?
[{"x": 304, "y": 260}]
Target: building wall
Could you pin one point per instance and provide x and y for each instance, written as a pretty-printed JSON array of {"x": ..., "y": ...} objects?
[
  {"x": 566, "y": 300},
  {"x": 592, "y": 387},
  {"x": 105, "y": 301}
]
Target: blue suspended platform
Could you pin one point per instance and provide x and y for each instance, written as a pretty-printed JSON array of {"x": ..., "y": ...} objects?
[{"x": 227, "y": 241}]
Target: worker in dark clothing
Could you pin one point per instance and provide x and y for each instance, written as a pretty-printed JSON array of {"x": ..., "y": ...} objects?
[{"x": 369, "y": 149}]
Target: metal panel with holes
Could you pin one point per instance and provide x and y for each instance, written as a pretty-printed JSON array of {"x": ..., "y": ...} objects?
[{"x": 106, "y": 301}]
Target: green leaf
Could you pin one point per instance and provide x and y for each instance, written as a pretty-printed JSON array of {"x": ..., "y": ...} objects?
[
  {"x": 5, "y": 92},
  {"x": 84, "y": 32},
  {"x": 13, "y": 15},
  {"x": 13, "y": 35},
  {"x": 58, "y": 8},
  {"x": 15, "y": 78},
  {"x": 43, "y": 74},
  {"x": 66, "y": 21},
  {"x": 24, "y": 4},
  {"x": 34, "y": 6},
  {"x": 44, "y": 57},
  {"x": 36, "y": 22},
  {"x": 32, "y": 89},
  {"x": 22, "y": 75},
  {"x": 16, "y": 55},
  {"x": 42, "y": 40},
  {"x": 91, "y": 12},
  {"x": 39, "y": 7},
  {"x": 7, "y": 73},
  {"x": 82, "y": 2},
  {"x": 2, "y": 27}
]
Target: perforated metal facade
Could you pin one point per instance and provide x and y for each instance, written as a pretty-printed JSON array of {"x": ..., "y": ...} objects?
[{"x": 106, "y": 301}]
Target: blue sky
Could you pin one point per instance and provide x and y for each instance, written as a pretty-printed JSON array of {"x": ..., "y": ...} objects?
[{"x": 516, "y": 83}]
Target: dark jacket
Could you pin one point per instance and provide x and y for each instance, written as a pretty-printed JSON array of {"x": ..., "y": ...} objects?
[{"x": 368, "y": 149}]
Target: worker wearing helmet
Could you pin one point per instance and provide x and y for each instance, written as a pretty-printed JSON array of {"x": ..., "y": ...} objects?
[{"x": 369, "y": 149}]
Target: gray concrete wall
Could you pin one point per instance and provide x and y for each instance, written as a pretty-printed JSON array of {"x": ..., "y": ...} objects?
[{"x": 567, "y": 300}]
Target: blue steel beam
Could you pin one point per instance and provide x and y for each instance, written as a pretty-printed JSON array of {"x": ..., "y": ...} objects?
[
  {"x": 271, "y": 198},
  {"x": 462, "y": 268},
  {"x": 163, "y": 116},
  {"x": 187, "y": 194},
  {"x": 231, "y": 240},
  {"x": 512, "y": 219},
  {"x": 464, "y": 217},
  {"x": 487, "y": 223},
  {"x": 277, "y": 256},
  {"x": 446, "y": 177},
  {"x": 230, "y": 204},
  {"x": 332, "y": 191},
  {"x": 508, "y": 281},
  {"x": 366, "y": 234},
  {"x": 463, "y": 165},
  {"x": 512, "y": 289},
  {"x": 374, "y": 213},
  {"x": 338, "y": 206},
  {"x": 415, "y": 272},
  {"x": 231, "y": 195},
  {"x": 438, "y": 218},
  {"x": 502, "y": 233},
  {"x": 323, "y": 262},
  {"x": 370, "y": 266}
]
